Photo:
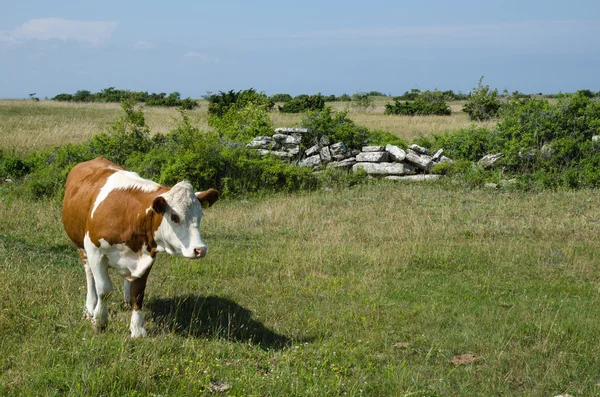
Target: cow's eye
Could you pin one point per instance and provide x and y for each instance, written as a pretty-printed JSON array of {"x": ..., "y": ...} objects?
[{"x": 175, "y": 218}]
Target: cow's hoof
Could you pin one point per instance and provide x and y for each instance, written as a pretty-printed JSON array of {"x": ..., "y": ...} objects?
[
  {"x": 138, "y": 333},
  {"x": 87, "y": 315}
]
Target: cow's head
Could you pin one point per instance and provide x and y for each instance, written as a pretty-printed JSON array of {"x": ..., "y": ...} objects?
[{"x": 179, "y": 230}]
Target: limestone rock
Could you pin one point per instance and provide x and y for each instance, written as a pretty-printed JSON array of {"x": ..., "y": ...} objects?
[
  {"x": 312, "y": 161},
  {"x": 596, "y": 138},
  {"x": 420, "y": 162},
  {"x": 312, "y": 150},
  {"x": 444, "y": 159},
  {"x": 292, "y": 130},
  {"x": 437, "y": 156},
  {"x": 373, "y": 157},
  {"x": 325, "y": 154},
  {"x": 384, "y": 168},
  {"x": 421, "y": 177},
  {"x": 491, "y": 160},
  {"x": 261, "y": 142},
  {"x": 338, "y": 149},
  {"x": 396, "y": 154},
  {"x": 373, "y": 148},
  {"x": 347, "y": 163},
  {"x": 419, "y": 149}
]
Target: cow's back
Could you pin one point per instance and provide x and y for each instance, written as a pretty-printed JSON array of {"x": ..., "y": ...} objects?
[{"x": 83, "y": 185}]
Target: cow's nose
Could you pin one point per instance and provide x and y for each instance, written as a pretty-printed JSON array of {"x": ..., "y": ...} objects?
[{"x": 200, "y": 252}]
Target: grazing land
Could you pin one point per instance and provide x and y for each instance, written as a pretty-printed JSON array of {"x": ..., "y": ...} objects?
[
  {"x": 392, "y": 289},
  {"x": 30, "y": 126}
]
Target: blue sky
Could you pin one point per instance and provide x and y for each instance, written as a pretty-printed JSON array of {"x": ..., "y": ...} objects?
[{"x": 296, "y": 47}]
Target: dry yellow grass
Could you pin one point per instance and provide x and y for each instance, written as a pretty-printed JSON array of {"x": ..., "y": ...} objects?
[{"x": 30, "y": 126}]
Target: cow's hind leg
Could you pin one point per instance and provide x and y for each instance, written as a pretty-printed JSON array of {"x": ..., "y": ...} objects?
[
  {"x": 91, "y": 298},
  {"x": 138, "y": 287}
]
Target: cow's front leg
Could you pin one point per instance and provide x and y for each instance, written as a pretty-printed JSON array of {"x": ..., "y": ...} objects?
[
  {"x": 99, "y": 267},
  {"x": 138, "y": 286},
  {"x": 91, "y": 299},
  {"x": 127, "y": 293}
]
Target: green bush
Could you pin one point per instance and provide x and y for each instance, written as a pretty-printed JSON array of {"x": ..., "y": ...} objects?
[
  {"x": 219, "y": 104},
  {"x": 243, "y": 124},
  {"x": 426, "y": 103},
  {"x": 303, "y": 103},
  {"x": 127, "y": 135},
  {"x": 483, "y": 103},
  {"x": 281, "y": 98},
  {"x": 363, "y": 101},
  {"x": 12, "y": 166}
]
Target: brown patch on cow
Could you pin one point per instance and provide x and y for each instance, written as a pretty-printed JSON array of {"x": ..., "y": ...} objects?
[
  {"x": 464, "y": 359},
  {"x": 136, "y": 224},
  {"x": 83, "y": 186},
  {"x": 208, "y": 197}
]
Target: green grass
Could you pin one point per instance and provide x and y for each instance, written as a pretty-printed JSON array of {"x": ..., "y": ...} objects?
[{"x": 368, "y": 291}]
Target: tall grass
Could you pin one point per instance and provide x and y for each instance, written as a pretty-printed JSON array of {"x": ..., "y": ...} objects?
[
  {"x": 369, "y": 291},
  {"x": 32, "y": 126}
]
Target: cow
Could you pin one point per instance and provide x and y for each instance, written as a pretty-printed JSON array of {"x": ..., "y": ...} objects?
[{"x": 121, "y": 221}]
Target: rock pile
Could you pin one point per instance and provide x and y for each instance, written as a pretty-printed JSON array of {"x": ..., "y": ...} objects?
[{"x": 389, "y": 161}]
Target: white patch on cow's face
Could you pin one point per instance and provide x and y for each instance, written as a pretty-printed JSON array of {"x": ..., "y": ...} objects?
[
  {"x": 123, "y": 180},
  {"x": 179, "y": 231}
]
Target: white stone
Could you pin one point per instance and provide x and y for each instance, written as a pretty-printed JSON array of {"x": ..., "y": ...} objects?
[
  {"x": 338, "y": 149},
  {"x": 312, "y": 150},
  {"x": 261, "y": 142},
  {"x": 325, "y": 154},
  {"x": 312, "y": 161},
  {"x": 438, "y": 155},
  {"x": 445, "y": 159},
  {"x": 491, "y": 160},
  {"x": 596, "y": 138},
  {"x": 396, "y": 154},
  {"x": 373, "y": 148},
  {"x": 347, "y": 163},
  {"x": 373, "y": 157},
  {"x": 419, "y": 149},
  {"x": 385, "y": 168},
  {"x": 420, "y": 162},
  {"x": 292, "y": 130},
  {"x": 422, "y": 177}
]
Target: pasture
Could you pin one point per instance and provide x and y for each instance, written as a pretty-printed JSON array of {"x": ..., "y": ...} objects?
[{"x": 373, "y": 290}]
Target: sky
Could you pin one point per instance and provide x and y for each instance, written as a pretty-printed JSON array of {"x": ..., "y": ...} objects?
[{"x": 297, "y": 47}]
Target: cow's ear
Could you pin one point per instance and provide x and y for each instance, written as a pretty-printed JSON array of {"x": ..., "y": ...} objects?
[
  {"x": 159, "y": 205},
  {"x": 208, "y": 197}
]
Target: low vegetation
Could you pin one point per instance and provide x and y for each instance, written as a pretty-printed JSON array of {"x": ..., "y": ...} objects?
[
  {"x": 114, "y": 95},
  {"x": 312, "y": 288},
  {"x": 426, "y": 103}
]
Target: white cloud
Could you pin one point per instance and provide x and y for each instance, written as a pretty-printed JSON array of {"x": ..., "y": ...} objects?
[
  {"x": 206, "y": 58},
  {"x": 544, "y": 33},
  {"x": 143, "y": 45},
  {"x": 93, "y": 32}
]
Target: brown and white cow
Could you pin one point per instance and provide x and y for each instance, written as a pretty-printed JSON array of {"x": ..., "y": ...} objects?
[{"x": 119, "y": 220}]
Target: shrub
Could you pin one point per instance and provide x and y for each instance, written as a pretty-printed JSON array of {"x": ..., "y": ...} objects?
[
  {"x": 338, "y": 127},
  {"x": 220, "y": 103},
  {"x": 483, "y": 103},
  {"x": 281, "y": 98},
  {"x": 363, "y": 101},
  {"x": 303, "y": 103},
  {"x": 243, "y": 124},
  {"x": 127, "y": 135},
  {"x": 426, "y": 103}
]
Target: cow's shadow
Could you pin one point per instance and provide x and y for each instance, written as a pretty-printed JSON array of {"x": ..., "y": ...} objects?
[{"x": 212, "y": 317}]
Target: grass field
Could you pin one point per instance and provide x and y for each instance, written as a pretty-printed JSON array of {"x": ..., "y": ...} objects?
[
  {"x": 30, "y": 126},
  {"x": 367, "y": 291}
]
